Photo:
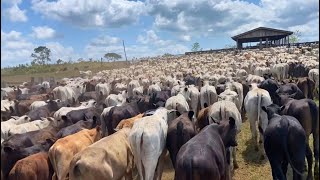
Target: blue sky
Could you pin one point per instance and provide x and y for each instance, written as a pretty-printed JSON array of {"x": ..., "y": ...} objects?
[{"x": 89, "y": 29}]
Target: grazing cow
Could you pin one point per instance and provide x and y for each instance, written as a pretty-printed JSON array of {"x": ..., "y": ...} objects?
[
  {"x": 180, "y": 130},
  {"x": 285, "y": 142},
  {"x": 112, "y": 153},
  {"x": 204, "y": 156},
  {"x": 307, "y": 86},
  {"x": 63, "y": 150},
  {"x": 255, "y": 99},
  {"x": 148, "y": 139},
  {"x": 128, "y": 123},
  {"x": 208, "y": 95},
  {"x": 110, "y": 120},
  {"x": 74, "y": 128},
  {"x": 307, "y": 113},
  {"x": 11, "y": 154},
  {"x": 36, "y": 166}
]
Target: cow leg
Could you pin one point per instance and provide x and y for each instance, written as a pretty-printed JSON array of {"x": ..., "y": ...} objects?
[
  {"x": 235, "y": 163},
  {"x": 103, "y": 127},
  {"x": 160, "y": 165},
  {"x": 284, "y": 167},
  {"x": 316, "y": 152},
  {"x": 277, "y": 173},
  {"x": 309, "y": 160},
  {"x": 254, "y": 132}
]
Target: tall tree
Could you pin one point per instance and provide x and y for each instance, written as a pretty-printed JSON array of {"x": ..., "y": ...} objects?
[
  {"x": 112, "y": 56},
  {"x": 195, "y": 47},
  {"x": 59, "y": 61},
  {"x": 41, "y": 55},
  {"x": 295, "y": 37}
]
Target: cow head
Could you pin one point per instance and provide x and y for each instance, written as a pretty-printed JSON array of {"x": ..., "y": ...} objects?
[
  {"x": 228, "y": 132},
  {"x": 272, "y": 110}
]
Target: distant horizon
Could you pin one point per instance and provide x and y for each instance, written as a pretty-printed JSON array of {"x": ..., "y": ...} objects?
[{"x": 90, "y": 29}]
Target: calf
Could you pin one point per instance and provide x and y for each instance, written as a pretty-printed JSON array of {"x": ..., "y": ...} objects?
[
  {"x": 112, "y": 153},
  {"x": 285, "y": 141},
  {"x": 36, "y": 166},
  {"x": 64, "y": 149},
  {"x": 180, "y": 131},
  {"x": 204, "y": 156}
]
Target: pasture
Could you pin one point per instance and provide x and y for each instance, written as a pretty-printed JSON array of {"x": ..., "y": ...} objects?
[{"x": 251, "y": 167}]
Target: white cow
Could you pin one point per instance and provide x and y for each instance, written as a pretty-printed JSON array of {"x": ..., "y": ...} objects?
[
  {"x": 38, "y": 104},
  {"x": 30, "y": 126},
  {"x": 6, "y": 125},
  {"x": 65, "y": 94},
  {"x": 103, "y": 89},
  {"x": 116, "y": 99},
  {"x": 194, "y": 99},
  {"x": 153, "y": 89},
  {"x": 208, "y": 95},
  {"x": 64, "y": 110},
  {"x": 178, "y": 103},
  {"x": 148, "y": 140},
  {"x": 45, "y": 84},
  {"x": 222, "y": 110},
  {"x": 314, "y": 75},
  {"x": 132, "y": 84},
  {"x": 254, "y": 100},
  {"x": 230, "y": 95},
  {"x": 138, "y": 91}
]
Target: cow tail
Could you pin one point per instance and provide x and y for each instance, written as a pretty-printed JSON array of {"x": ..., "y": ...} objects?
[
  {"x": 315, "y": 127},
  {"x": 284, "y": 134},
  {"x": 259, "y": 95},
  {"x": 179, "y": 134},
  {"x": 208, "y": 97},
  {"x": 139, "y": 149}
]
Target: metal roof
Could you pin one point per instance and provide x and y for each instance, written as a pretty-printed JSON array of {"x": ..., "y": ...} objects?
[{"x": 264, "y": 29}]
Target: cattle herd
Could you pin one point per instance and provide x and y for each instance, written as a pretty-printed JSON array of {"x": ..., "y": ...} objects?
[{"x": 121, "y": 123}]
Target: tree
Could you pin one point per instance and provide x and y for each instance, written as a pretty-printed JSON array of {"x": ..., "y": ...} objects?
[
  {"x": 229, "y": 46},
  {"x": 195, "y": 47},
  {"x": 41, "y": 55},
  {"x": 167, "y": 55},
  {"x": 295, "y": 37},
  {"x": 59, "y": 61},
  {"x": 112, "y": 56}
]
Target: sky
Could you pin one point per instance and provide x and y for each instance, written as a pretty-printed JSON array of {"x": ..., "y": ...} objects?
[{"x": 74, "y": 29}]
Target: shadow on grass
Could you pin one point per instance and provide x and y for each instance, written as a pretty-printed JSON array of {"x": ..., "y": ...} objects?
[{"x": 250, "y": 155}]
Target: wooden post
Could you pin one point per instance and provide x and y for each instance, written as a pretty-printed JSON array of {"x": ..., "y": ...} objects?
[
  {"x": 260, "y": 44},
  {"x": 32, "y": 80},
  {"x": 267, "y": 43}
]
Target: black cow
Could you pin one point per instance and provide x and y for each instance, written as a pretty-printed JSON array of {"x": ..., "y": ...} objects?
[
  {"x": 306, "y": 112},
  {"x": 74, "y": 128},
  {"x": 159, "y": 98},
  {"x": 11, "y": 154},
  {"x": 271, "y": 86},
  {"x": 180, "y": 130},
  {"x": 285, "y": 142},
  {"x": 204, "y": 156},
  {"x": 290, "y": 89},
  {"x": 118, "y": 113},
  {"x": 87, "y": 113}
]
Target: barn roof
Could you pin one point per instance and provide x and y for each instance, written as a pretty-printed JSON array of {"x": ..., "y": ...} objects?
[{"x": 262, "y": 32}]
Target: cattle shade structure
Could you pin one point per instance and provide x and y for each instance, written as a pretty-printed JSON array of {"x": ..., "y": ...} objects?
[{"x": 270, "y": 36}]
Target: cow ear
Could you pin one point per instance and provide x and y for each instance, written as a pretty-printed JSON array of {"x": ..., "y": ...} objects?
[
  {"x": 42, "y": 118},
  {"x": 186, "y": 89},
  {"x": 64, "y": 118},
  {"x": 116, "y": 129},
  {"x": 50, "y": 141},
  {"x": 104, "y": 105},
  {"x": 232, "y": 122},
  {"x": 190, "y": 114},
  {"x": 50, "y": 118},
  {"x": 282, "y": 108}
]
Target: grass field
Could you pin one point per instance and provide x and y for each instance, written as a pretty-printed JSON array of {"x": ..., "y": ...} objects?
[{"x": 250, "y": 165}]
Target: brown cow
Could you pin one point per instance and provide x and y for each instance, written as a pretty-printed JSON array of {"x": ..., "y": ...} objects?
[
  {"x": 62, "y": 152},
  {"x": 128, "y": 123},
  {"x": 110, "y": 158},
  {"x": 307, "y": 86},
  {"x": 36, "y": 166},
  {"x": 202, "y": 119}
]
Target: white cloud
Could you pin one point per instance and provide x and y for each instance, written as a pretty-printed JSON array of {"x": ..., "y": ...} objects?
[
  {"x": 43, "y": 32},
  {"x": 93, "y": 13},
  {"x": 15, "y": 14},
  {"x": 204, "y": 18},
  {"x": 185, "y": 38},
  {"x": 58, "y": 51},
  {"x": 105, "y": 40}
]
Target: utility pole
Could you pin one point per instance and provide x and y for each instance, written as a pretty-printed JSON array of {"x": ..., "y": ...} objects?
[{"x": 124, "y": 49}]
